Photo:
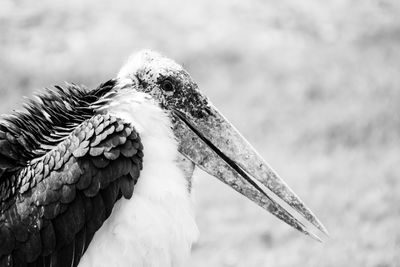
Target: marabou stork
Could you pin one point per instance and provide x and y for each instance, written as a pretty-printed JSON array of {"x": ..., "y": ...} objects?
[{"x": 102, "y": 177}]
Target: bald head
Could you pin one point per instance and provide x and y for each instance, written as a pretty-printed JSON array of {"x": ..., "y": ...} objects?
[{"x": 148, "y": 64}]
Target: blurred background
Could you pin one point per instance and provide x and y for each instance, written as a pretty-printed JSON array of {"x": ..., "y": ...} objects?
[{"x": 314, "y": 85}]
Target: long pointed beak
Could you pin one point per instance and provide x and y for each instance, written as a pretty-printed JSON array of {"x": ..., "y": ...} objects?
[{"x": 215, "y": 146}]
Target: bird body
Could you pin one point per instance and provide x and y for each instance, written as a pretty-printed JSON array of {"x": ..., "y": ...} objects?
[{"x": 103, "y": 177}]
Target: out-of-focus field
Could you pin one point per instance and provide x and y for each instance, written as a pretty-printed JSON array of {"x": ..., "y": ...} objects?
[{"x": 314, "y": 85}]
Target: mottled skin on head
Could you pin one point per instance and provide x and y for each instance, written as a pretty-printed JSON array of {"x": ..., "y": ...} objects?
[{"x": 167, "y": 82}]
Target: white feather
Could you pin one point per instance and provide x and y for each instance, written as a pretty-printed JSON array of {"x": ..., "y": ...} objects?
[{"x": 156, "y": 227}]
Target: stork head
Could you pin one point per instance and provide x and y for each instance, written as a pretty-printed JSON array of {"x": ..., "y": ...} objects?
[{"x": 211, "y": 142}]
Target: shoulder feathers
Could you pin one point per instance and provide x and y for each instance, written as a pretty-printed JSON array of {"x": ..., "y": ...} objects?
[{"x": 62, "y": 168}]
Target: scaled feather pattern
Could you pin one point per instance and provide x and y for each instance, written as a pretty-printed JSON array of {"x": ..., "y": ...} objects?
[{"x": 63, "y": 165}]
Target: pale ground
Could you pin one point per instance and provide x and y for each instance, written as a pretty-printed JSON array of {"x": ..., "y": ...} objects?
[{"x": 314, "y": 85}]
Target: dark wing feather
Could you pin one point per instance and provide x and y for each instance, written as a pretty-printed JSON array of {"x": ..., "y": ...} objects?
[{"x": 51, "y": 208}]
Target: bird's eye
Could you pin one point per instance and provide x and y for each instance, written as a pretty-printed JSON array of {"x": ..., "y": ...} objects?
[{"x": 168, "y": 85}]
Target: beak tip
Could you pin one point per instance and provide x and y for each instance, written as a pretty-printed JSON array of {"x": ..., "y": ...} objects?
[
  {"x": 315, "y": 237},
  {"x": 317, "y": 223},
  {"x": 325, "y": 231}
]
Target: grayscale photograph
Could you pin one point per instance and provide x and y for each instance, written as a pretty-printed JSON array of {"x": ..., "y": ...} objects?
[{"x": 200, "y": 133}]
